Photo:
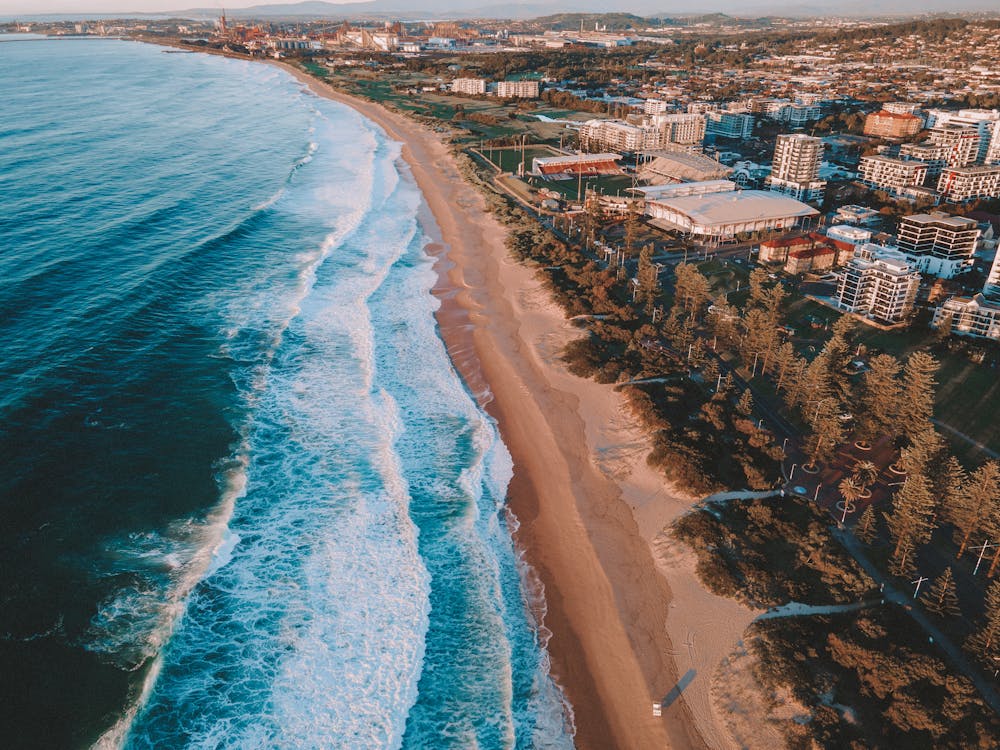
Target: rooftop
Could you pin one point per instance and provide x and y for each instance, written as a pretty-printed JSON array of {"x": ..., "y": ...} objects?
[{"x": 738, "y": 206}]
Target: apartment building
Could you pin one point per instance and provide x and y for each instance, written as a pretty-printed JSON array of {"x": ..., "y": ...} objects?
[
  {"x": 891, "y": 175},
  {"x": 992, "y": 287},
  {"x": 795, "y": 168},
  {"x": 901, "y": 108},
  {"x": 969, "y": 316},
  {"x": 682, "y": 129},
  {"x": 471, "y": 86},
  {"x": 618, "y": 135},
  {"x": 892, "y": 125},
  {"x": 960, "y": 184},
  {"x": 654, "y": 106},
  {"x": 993, "y": 151},
  {"x": 517, "y": 89},
  {"x": 729, "y": 125},
  {"x": 982, "y": 120},
  {"x": 938, "y": 244},
  {"x": 960, "y": 143},
  {"x": 879, "y": 284}
]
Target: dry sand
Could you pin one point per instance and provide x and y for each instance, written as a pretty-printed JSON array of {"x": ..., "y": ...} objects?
[{"x": 590, "y": 511}]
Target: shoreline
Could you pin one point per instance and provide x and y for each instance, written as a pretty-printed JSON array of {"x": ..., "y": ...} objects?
[
  {"x": 578, "y": 521},
  {"x": 591, "y": 515},
  {"x": 605, "y": 603}
]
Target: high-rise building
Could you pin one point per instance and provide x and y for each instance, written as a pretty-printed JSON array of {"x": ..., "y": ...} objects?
[
  {"x": 878, "y": 283},
  {"x": 993, "y": 151},
  {"x": 959, "y": 142},
  {"x": 938, "y": 244},
  {"x": 992, "y": 286},
  {"x": 982, "y": 120},
  {"x": 654, "y": 106},
  {"x": 960, "y": 184},
  {"x": 795, "y": 168},
  {"x": 891, "y": 175}
]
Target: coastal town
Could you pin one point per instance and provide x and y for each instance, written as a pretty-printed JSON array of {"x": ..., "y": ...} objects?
[{"x": 778, "y": 240}]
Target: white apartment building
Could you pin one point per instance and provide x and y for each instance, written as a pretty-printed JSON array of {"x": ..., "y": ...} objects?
[
  {"x": 795, "y": 168},
  {"x": 983, "y": 120},
  {"x": 901, "y": 108},
  {"x": 891, "y": 175},
  {"x": 993, "y": 151},
  {"x": 969, "y": 316},
  {"x": 960, "y": 184},
  {"x": 618, "y": 135},
  {"x": 682, "y": 129},
  {"x": 959, "y": 142},
  {"x": 992, "y": 287},
  {"x": 472, "y": 86},
  {"x": 654, "y": 106},
  {"x": 730, "y": 125},
  {"x": 879, "y": 284},
  {"x": 938, "y": 244},
  {"x": 517, "y": 89}
]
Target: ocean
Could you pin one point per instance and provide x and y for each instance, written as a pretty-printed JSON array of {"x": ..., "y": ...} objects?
[{"x": 247, "y": 501}]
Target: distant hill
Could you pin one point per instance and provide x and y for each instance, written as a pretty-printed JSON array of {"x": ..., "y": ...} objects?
[{"x": 717, "y": 11}]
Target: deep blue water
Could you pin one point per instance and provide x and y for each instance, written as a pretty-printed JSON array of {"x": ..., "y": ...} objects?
[{"x": 247, "y": 502}]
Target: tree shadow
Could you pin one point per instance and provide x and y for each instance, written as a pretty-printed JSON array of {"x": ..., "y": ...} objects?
[{"x": 676, "y": 690}]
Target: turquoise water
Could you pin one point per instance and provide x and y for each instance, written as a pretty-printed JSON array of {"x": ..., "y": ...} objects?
[{"x": 251, "y": 503}]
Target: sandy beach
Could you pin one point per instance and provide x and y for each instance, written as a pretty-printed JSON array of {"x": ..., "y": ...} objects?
[{"x": 590, "y": 511}]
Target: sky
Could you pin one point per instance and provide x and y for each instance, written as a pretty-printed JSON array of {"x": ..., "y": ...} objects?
[{"x": 38, "y": 7}]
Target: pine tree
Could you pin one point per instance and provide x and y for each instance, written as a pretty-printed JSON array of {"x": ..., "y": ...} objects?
[
  {"x": 911, "y": 520},
  {"x": 631, "y": 228},
  {"x": 901, "y": 562},
  {"x": 941, "y": 598},
  {"x": 745, "y": 405},
  {"x": 879, "y": 398},
  {"x": 692, "y": 291},
  {"x": 985, "y": 640},
  {"x": 977, "y": 505},
  {"x": 648, "y": 277},
  {"x": 924, "y": 449},
  {"x": 917, "y": 403},
  {"x": 948, "y": 481},
  {"x": 867, "y": 526},
  {"x": 827, "y": 432},
  {"x": 759, "y": 291},
  {"x": 784, "y": 362}
]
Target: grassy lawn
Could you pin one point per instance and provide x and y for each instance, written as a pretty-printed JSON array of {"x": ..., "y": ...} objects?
[
  {"x": 508, "y": 159},
  {"x": 967, "y": 398}
]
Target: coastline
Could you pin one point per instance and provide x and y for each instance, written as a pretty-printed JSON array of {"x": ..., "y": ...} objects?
[{"x": 581, "y": 487}]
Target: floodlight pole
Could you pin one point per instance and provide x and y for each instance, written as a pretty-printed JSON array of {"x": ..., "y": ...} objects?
[{"x": 919, "y": 581}]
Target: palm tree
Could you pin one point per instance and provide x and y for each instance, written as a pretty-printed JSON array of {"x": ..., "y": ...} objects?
[
  {"x": 865, "y": 474},
  {"x": 852, "y": 491}
]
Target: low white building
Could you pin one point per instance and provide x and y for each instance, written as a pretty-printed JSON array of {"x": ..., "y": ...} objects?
[
  {"x": 471, "y": 86},
  {"x": 969, "y": 316}
]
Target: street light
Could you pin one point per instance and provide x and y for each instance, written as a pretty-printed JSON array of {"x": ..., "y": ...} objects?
[{"x": 818, "y": 404}]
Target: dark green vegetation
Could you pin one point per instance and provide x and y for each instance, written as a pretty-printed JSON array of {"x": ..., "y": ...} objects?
[
  {"x": 772, "y": 551},
  {"x": 867, "y": 674},
  {"x": 870, "y": 680}
]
